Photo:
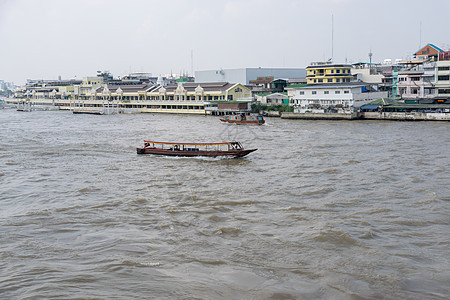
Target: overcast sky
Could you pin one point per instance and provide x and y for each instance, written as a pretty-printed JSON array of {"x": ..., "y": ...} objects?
[{"x": 44, "y": 39}]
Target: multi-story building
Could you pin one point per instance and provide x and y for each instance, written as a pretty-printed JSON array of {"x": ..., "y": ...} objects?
[
  {"x": 48, "y": 89},
  {"x": 320, "y": 72},
  {"x": 366, "y": 72},
  {"x": 333, "y": 98},
  {"x": 418, "y": 83},
  {"x": 87, "y": 86},
  {"x": 443, "y": 75},
  {"x": 428, "y": 52},
  {"x": 184, "y": 97}
]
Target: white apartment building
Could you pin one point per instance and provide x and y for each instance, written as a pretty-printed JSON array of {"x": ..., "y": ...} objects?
[
  {"x": 419, "y": 83},
  {"x": 443, "y": 75},
  {"x": 333, "y": 98}
]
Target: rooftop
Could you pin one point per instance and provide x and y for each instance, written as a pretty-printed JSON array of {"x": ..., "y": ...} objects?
[
  {"x": 208, "y": 86},
  {"x": 296, "y": 85},
  {"x": 330, "y": 86},
  {"x": 328, "y": 66}
]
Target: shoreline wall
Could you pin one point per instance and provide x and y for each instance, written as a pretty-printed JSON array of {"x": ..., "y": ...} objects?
[{"x": 393, "y": 116}]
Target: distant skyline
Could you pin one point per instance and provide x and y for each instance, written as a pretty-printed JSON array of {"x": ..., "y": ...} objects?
[{"x": 45, "y": 39}]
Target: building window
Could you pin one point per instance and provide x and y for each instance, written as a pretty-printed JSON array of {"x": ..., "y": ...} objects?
[
  {"x": 320, "y": 80},
  {"x": 301, "y": 92},
  {"x": 446, "y": 77},
  {"x": 338, "y": 80},
  {"x": 346, "y": 92},
  {"x": 415, "y": 78},
  {"x": 338, "y": 71},
  {"x": 337, "y": 92},
  {"x": 326, "y": 92},
  {"x": 443, "y": 68},
  {"x": 332, "y": 71},
  {"x": 314, "y": 92},
  {"x": 314, "y": 81}
]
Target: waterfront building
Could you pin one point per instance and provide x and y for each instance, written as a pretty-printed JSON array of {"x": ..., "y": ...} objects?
[
  {"x": 123, "y": 93},
  {"x": 324, "y": 72},
  {"x": 183, "y": 97},
  {"x": 220, "y": 108},
  {"x": 443, "y": 76},
  {"x": 418, "y": 83},
  {"x": 268, "y": 85},
  {"x": 272, "y": 99},
  {"x": 366, "y": 72},
  {"x": 47, "y": 89},
  {"x": 248, "y": 76},
  {"x": 389, "y": 83},
  {"x": 87, "y": 87},
  {"x": 333, "y": 98}
]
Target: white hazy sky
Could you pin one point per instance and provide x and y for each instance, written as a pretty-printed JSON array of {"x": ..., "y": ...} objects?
[{"x": 44, "y": 39}]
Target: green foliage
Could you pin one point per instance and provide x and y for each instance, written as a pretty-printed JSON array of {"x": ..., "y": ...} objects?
[{"x": 257, "y": 108}]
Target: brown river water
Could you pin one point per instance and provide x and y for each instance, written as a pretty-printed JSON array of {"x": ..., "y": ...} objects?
[{"x": 323, "y": 209}]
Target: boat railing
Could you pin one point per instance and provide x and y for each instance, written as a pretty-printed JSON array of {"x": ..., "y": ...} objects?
[{"x": 193, "y": 147}]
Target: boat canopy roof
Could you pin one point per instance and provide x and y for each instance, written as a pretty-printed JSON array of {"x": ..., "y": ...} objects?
[{"x": 191, "y": 144}]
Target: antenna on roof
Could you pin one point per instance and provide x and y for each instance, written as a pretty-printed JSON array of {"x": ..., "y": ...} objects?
[
  {"x": 332, "y": 37},
  {"x": 192, "y": 63},
  {"x": 420, "y": 34}
]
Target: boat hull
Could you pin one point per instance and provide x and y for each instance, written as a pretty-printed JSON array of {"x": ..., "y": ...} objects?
[
  {"x": 256, "y": 122},
  {"x": 230, "y": 153}
]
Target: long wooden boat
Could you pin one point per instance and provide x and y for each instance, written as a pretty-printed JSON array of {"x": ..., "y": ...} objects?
[
  {"x": 230, "y": 149},
  {"x": 244, "y": 119}
]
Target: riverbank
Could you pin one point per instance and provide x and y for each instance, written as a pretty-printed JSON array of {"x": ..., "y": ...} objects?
[
  {"x": 105, "y": 107},
  {"x": 391, "y": 116}
]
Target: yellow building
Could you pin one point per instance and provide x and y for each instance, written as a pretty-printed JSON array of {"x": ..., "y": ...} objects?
[
  {"x": 87, "y": 87},
  {"x": 318, "y": 73}
]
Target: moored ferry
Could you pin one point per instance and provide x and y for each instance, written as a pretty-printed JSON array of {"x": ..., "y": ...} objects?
[
  {"x": 244, "y": 119},
  {"x": 229, "y": 149}
]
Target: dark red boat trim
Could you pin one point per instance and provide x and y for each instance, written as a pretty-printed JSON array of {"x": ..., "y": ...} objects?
[{"x": 158, "y": 151}]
